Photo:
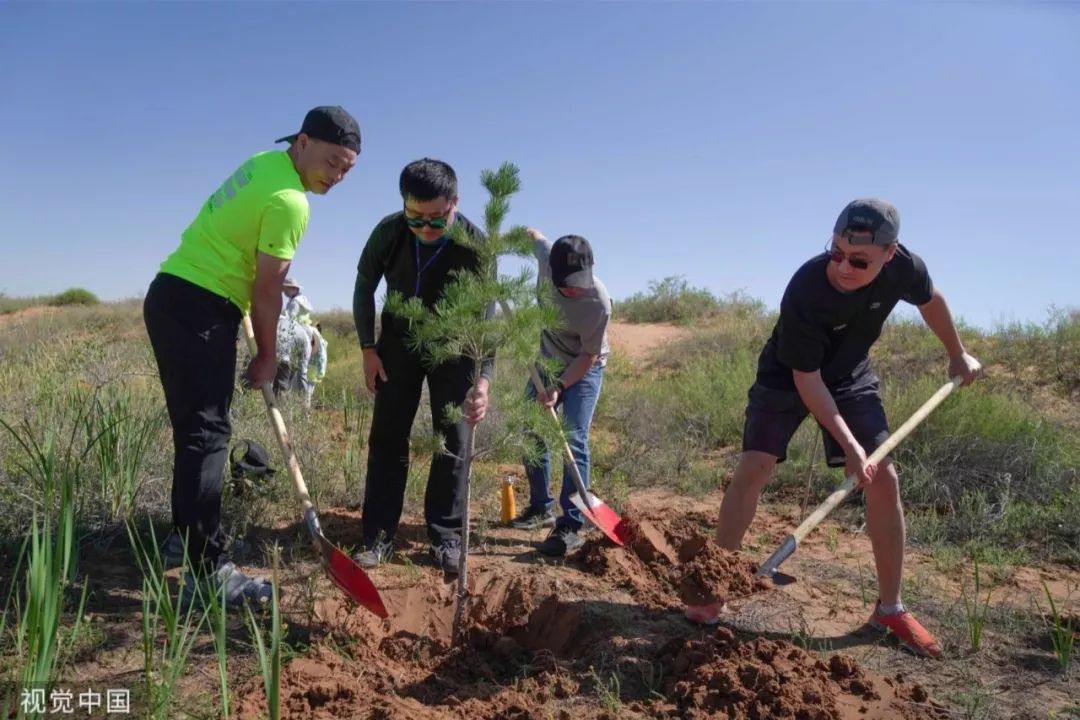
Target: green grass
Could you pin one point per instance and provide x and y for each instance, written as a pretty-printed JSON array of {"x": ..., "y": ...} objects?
[
  {"x": 269, "y": 649},
  {"x": 994, "y": 471},
  {"x": 43, "y": 645},
  {"x": 975, "y": 608},
  {"x": 991, "y": 465},
  {"x": 170, "y": 627},
  {"x": 72, "y": 296},
  {"x": 1063, "y": 632},
  {"x": 10, "y": 304}
]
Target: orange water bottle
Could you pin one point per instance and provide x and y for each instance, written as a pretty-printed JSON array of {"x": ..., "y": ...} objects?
[{"x": 509, "y": 506}]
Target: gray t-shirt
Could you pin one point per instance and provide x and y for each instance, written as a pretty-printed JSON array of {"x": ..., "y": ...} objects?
[{"x": 585, "y": 319}]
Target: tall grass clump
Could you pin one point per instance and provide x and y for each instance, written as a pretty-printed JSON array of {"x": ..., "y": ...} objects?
[
  {"x": 269, "y": 649},
  {"x": 50, "y": 553},
  {"x": 127, "y": 430},
  {"x": 975, "y": 608},
  {"x": 991, "y": 469},
  {"x": 1063, "y": 633},
  {"x": 170, "y": 626}
]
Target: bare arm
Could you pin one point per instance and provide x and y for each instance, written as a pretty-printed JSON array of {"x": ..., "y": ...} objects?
[
  {"x": 821, "y": 405},
  {"x": 266, "y": 301},
  {"x": 938, "y": 318},
  {"x": 815, "y": 395}
]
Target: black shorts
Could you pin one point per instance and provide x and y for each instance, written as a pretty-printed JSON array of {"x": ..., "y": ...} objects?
[{"x": 773, "y": 416}]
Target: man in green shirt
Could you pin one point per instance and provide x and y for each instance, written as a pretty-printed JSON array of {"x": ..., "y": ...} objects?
[{"x": 232, "y": 259}]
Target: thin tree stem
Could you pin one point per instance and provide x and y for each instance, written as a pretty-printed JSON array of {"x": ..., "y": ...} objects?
[{"x": 463, "y": 561}]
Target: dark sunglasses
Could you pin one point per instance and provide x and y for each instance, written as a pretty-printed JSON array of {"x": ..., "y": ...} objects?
[
  {"x": 838, "y": 256},
  {"x": 436, "y": 223}
]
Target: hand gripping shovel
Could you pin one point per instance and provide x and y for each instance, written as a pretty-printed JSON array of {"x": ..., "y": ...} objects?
[
  {"x": 345, "y": 573},
  {"x": 596, "y": 510},
  {"x": 770, "y": 568}
]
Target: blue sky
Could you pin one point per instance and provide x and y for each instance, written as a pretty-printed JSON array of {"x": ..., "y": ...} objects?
[{"x": 717, "y": 141}]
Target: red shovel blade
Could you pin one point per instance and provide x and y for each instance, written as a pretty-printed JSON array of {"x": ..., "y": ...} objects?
[
  {"x": 602, "y": 516},
  {"x": 352, "y": 580}
]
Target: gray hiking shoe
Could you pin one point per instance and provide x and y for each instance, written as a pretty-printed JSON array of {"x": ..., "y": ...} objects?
[
  {"x": 447, "y": 556},
  {"x": 238, "y": 587},
  {"x": 533, "y": 518},
  {"x": 374, "y": 554}
]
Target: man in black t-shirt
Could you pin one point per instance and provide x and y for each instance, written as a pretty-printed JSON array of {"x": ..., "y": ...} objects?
[{"x": 817, "y": 362}]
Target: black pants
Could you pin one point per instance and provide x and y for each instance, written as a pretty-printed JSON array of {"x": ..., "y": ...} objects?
[
  {"x": 193, "y": 333},
  {"x": 396, "y": 403}
]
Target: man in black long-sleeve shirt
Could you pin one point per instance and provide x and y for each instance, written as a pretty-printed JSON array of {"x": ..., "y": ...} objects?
[{"x": 413, "y": 251}]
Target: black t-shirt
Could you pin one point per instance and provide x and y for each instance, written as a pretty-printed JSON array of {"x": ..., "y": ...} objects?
[{"x": 822, "y": 328}]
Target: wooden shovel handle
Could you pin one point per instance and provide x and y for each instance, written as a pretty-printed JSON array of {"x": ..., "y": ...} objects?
[
  {"x": 579, "y": 484},
  {"x": 876, "y": 457},
  {"x": 299, "y": 487}
]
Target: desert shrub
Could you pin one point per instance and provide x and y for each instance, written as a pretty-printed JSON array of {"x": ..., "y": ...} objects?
[{"x": 74, "y": 296}]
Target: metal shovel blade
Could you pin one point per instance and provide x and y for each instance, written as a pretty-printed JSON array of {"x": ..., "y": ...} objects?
[
  {"x": 343, "y": 570},
  {"x": 602, "y": 516}
]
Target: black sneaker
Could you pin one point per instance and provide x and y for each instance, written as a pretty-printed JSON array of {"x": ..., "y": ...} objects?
[
  {"x": 533, "y": 518},
  {"x": 374, "y": 554},
  {"x": 172, "y": 550},
  {"x": 447, "y": 556},
  {"x": 561, "y": 540}
]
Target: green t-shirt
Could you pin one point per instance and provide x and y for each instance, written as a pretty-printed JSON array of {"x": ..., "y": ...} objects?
[{"x": 261, "y": 207}]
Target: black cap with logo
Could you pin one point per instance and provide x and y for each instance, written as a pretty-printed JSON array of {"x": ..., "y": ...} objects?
[
  {"x": 572, "y": 262},
  {"x": 332, "y": 124}
]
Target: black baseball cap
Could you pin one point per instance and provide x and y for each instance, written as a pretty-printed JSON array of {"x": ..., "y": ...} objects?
[
  {"x": 878, "y": 218},
  {"x": 572, "y": 262},
  {"x": 332, "y": 124}
]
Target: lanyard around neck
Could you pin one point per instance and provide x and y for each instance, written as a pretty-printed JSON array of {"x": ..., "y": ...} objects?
[{"x": 420, "y": 269}]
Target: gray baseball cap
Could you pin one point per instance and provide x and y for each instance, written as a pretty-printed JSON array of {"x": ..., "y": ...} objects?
[{"x": 878, "y": 218}]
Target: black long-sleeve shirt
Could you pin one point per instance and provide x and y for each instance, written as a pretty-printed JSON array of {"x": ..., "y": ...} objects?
[{"x": 392, "y": 252}]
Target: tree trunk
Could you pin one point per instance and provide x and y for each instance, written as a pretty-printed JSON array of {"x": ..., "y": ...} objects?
[{"x": 463, "y": 562}]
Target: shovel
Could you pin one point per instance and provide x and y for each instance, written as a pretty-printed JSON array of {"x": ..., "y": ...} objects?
[
  {"x": 770, "y": 568},
  {"x": 596, "y": 510},
  {"x": 345, "y": 573}
]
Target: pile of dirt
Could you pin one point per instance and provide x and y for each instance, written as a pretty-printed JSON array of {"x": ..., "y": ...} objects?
[
  {"x": 672, "y": 564},
  {"x": 768, "y": 679},
  {"x": 537, "y": 647}
]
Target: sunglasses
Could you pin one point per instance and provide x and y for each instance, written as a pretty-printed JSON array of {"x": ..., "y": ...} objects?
[
  {"x": 838, "y": 256},
  {"x": 435, "y": 223}
]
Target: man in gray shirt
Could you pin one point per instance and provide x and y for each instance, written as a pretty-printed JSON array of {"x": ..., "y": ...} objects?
[{"x": 580, "y": 346}]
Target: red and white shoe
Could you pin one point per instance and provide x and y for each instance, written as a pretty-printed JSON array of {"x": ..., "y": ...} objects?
[
  {"x": 908, "y": 630},
  {"x": 704, "y": 614}
]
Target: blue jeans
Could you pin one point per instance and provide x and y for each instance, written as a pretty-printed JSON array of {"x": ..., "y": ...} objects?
[{"x": 578, "y": 404}]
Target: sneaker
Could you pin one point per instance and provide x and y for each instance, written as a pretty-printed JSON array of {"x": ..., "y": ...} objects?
[
  {"x": 172, "y": 550},
  {"x": 533, "y": 518},
  {"x": 238, "y": 587},
  {"x": 908, "y": 631},
  {"x": 560, "y": 541},
  {"x": 374, "y": 554},
  {"x": 447, "y": 556},
  {"x": 703, "y": 614}
]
